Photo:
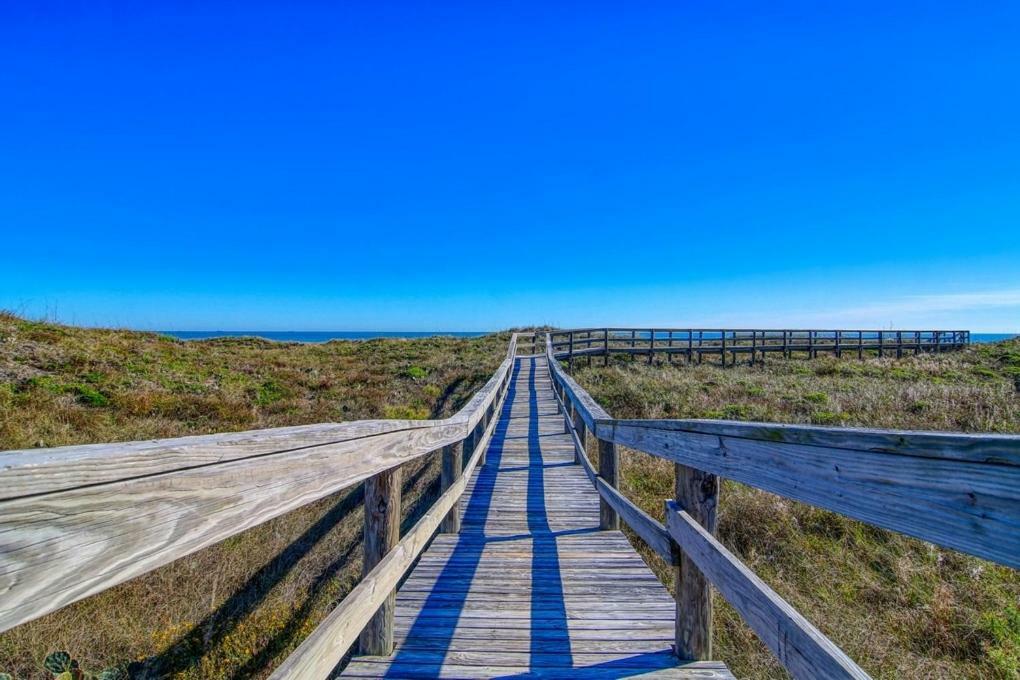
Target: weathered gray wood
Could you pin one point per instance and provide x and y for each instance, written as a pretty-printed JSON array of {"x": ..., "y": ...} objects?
[
  {"x": 802, "y": 649},
  {"x": 650, "y": 531},
  {"x": 530, "y": 586},
  {"x": 77, "y": 520},
  {"x": 589, "y": 409},
  {"x": 949, "y": 493},
  {"x": 57, "y": 548},
  {"x": 382, "y": 532},
  {"x": 333, "y": 637},
  {"x": 609, "y": 471},
  {"x": 697, "y": 493},
  {"x": 979, "y": 448},
  {"x": 453, "y": 462},
  {"x": 582, "y": 433}
]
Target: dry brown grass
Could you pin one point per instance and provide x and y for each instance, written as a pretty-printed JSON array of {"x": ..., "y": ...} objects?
[
  {"x": 236, "y": 609},
  {"x": 898, "y": 606}
]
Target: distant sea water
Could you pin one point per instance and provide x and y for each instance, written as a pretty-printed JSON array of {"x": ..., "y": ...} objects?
[
  {"x": 318, "y": 336},
  {"x": 991, "y": 337}
]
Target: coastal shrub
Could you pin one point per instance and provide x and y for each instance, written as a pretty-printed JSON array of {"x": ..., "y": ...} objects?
[
  {"x": 415, "y": 372},
  {"x": 898, "y": 606},
  {"x": 237, "y": 608},
  {"x": 405, "y": 412},
  {"x": 90, "y": 396}
]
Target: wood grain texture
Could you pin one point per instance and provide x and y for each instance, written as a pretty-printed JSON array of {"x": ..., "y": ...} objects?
[
  {"x": 643, "y": 524},
  {"x": 77, "y": 520},
  {"x": 321, "y": 651},
  {"x": 609, "y": 471},
  {"x": 589, "y": 409},
  {"x": 697, "y": 493},
  {"x": 452, "y": 467},
  {"x": 802, "y": 649},
  {"x": 530, "y": 587},
  {"x": 941, "y": 491},
  {"x": 382, "y": 532}
]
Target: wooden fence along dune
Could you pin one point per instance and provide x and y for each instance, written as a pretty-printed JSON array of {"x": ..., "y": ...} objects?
[{"x": 531, "y": 575}]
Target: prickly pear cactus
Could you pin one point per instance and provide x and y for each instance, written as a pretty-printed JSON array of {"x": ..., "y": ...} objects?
[
  {"x": 58, "y": 662},
  {"x": 63, "y": 666}
]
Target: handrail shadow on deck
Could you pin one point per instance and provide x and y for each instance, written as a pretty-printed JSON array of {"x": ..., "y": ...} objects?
[{"x": 547, "y": 596}]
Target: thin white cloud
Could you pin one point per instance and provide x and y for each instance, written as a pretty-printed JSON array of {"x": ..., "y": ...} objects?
[{"x": 946, "y": 302}]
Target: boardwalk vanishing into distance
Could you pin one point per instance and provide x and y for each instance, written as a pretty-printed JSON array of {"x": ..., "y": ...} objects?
[
  {"x": 531, "y": 587},
  {"x": 519, "y": 569}
]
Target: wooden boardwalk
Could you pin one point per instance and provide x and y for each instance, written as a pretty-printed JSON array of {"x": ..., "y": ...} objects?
[{"x": 531, "y": 587}]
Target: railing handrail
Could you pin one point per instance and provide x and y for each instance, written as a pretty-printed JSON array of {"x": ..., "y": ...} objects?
[
  {"x": 959, "y": 490},
  {"x": 995, "y": 530},
  {"x": 77, "y": 520}
]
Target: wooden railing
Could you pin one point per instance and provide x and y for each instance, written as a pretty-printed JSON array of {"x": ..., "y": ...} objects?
[
  {"x": 694, "y": 344},
  {"x": 530, "y": 343},
  {"x": 77, "y": 520},
  {"x": 960, "y": 491}
]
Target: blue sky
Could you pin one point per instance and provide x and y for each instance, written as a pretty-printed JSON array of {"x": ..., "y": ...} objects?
[{"x": 468, "y": 166}]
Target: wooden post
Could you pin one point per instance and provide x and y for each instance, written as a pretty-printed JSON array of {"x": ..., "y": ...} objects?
[
  {"x": 483, "y": 424},
  {"x": 582, "y": 434},
  {"x": 382, "y": 532},
  {"x": 690, "y": 346},
  {"x": 651, "y": 346},
  {"x": 605, "y": 346},
  {"x": 609, "y": 471},
  {"x": 453, "y": 464},
  {"x": 811, "y": 345},
  {"x": 839, "y": 350},
  {"x": 899, "y": 344},
  {"x": 723, "y": 352},
  {"x": 697, "y": 492},
  {"x": 860, "y": 344},
  {"x": 570, "y": 355},
  {"x": 754, "y": 347}
]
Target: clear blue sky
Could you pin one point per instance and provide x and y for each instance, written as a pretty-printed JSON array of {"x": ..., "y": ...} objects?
[{"x": 422, "y": 166}]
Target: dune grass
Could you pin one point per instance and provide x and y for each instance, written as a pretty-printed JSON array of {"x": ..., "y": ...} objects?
[
  {"x": 236, "y": 609},
  {"x": 900, "y": 607}
]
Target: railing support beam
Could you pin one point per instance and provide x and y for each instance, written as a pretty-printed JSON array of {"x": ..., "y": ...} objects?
[
  {"x": 609, "y": 471},
  {"x": 453, "y": 465},
  {"x": 382, "y": 532},
  {"x": 582, "y": 431},
  {"x": 697, "y": 492}
]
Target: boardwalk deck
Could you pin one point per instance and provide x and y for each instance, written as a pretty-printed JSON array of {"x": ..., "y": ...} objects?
[{"x": 531, "y": 587}]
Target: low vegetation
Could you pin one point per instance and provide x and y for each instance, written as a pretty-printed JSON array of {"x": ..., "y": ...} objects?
[
  {"x": 236, "y": 609},
  {"x": 898, "y": 606}
]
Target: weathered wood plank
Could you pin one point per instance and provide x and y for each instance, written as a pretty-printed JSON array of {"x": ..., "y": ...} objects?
[
  {"x": 382, "y": 532},
  {"x": 937, "y": 494},
  {"x": 332, "y": 639},
  {"x": 697, "y": 493},
  {"x": 452, "y": 464},
  {"x": 77, "y": 520},
  {"x": 530, "y": 584},
  {"x": 802, "y": 649},
  {"x": 650, "y": 531},
  {"x": 609, "y": 472},
  {"x": 589, "y": 409}
]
